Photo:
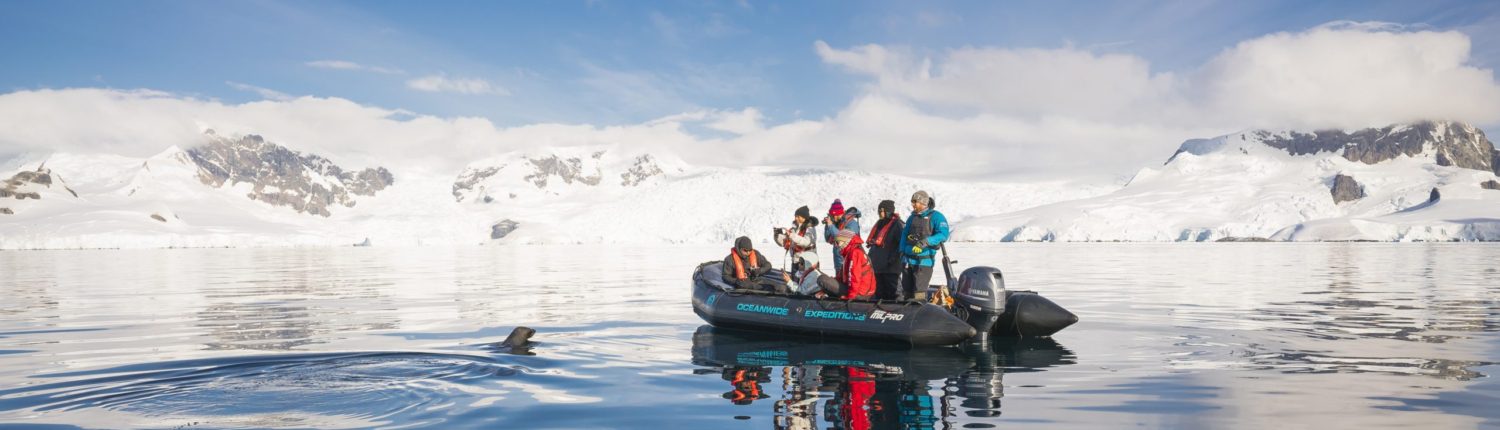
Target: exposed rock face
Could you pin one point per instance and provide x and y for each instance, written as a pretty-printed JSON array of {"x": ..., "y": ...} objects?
[
  {"x": 1490, "y": 185},
  {"x": 470, "y": 178},
  {"x": 1455, "y": 144},
  {"x": 158, "y": 217},
  {"x": 569, "y": 170},
  {"x": 644, "y": 168},
  {"x": 15, "y": 186},
  {"x": 503, "y": 228},
  {"x": 6, "y": 211},
  {"x": 283, "y": 177},
  {"x": 1495, "y": 161},
  {"x": 1346, "y": 189},
  {"x": 1434, "y": 196}
]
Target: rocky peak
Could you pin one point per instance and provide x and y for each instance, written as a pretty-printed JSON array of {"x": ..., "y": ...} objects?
[
  {"x": 1451, "y": 143},
  {"x": 22, "y": 185},
  {"x": 282, "y": 177},
  {"x": 554, "y": 171},
  {"x": 644, "y": 168},
  {"x": 568, "y": 170}
]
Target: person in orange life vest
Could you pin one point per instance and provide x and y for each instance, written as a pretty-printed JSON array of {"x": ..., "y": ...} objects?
[
  {"x": 855, "y": 274},
  {"x": 746, "y": 381},
  {"x": 744, "y": 264},
  {"x": 838, "y": 220},
  {"x": 799, "y": 239},
  {"x": 885, "y": 251}
]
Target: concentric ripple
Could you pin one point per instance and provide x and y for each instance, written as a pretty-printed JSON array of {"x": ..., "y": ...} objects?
[{"x": 357, "y": 389}]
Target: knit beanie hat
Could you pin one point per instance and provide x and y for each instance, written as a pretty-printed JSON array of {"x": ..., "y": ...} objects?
[
  {"x": 804, "y": 212},
  {"x": 888, "y": 206},
  {"x": 743, "y": 244},
  {"x": 845, "y": 235},
  {"x": 837, "y": 208},
  {"x": 921, "y": 196}
]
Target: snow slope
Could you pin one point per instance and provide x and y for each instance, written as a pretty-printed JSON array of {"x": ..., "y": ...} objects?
[
  {"x": 594, "y": 194},
  {"x": 1238, "y": 186}
]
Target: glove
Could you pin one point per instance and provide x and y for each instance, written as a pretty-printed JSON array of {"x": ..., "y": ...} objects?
[{"x": 916, "y": 249}]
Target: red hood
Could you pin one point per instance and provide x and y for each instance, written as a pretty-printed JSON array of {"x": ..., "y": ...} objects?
[{"x": 855, "y": 242}]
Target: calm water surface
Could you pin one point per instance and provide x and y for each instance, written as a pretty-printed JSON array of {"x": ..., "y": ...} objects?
[{"x": 1172, "y": 336}]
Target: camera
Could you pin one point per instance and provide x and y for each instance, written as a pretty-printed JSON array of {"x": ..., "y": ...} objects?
[{"x": 778, "y": 231}]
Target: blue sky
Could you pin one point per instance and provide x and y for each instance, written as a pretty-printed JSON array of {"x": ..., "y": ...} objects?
[
  {"x": 614, "y": 61},
  {"x": 1033, "y": 88}
]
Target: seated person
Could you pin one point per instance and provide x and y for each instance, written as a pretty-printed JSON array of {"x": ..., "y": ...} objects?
[
  {"x": 803, "y": 279},
  {"x": 812, "y": 281},
  {"x": 744, "y": 265},
  {"x": 855, "y": 275}
]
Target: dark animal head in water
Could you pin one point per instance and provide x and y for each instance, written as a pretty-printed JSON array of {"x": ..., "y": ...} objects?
[{"x": 519, "y": 342}]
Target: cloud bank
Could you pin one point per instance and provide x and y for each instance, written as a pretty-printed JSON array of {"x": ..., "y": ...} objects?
[{"x": 971, "y": 111}]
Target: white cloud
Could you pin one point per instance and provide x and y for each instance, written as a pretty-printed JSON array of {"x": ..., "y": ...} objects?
[
  {"x": 1077, "y": 110},
  {"x": 440, "y": 83},
  {"x": 964, "y": 112},
  {"x": 1337, "y": 75},
  {"x": 1348, "y": 75},
  {"x": 266, "y": 93},
  {"x": 350, "y": 65},
  {"x": 742, "y": 122}
]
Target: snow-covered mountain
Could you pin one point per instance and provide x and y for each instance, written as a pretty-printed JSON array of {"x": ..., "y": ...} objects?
[
  {"x": 249, "y": 191},
  {"x": 1422, "y": 181},
  {"x": 283, "y": 177}
]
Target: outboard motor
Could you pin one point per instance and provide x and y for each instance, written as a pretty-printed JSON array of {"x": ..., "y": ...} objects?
[{"x": 979, "y": 299}]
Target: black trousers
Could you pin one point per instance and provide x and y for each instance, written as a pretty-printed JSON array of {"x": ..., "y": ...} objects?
[
  {"x": 914, "y": 282},
  {"x": 888, "y": 285}
]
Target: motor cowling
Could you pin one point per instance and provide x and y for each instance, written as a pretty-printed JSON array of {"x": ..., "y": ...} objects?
[{"x": 979, "y": 298}]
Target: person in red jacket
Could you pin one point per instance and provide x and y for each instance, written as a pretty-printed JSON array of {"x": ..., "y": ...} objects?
[{"x": 855, "y": 274}]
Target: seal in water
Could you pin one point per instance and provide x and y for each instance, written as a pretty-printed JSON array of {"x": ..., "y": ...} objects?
[{"x": 518, "y": 343}]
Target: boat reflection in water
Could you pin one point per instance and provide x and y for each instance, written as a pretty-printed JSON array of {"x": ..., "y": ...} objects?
[{"x": 852, "y": 385}]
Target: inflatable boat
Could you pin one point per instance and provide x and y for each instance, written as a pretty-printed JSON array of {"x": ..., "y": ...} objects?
[{"x": 982, "y": 308}]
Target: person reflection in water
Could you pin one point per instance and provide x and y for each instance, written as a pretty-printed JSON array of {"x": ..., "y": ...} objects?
[{"x": 745, "y": 381}]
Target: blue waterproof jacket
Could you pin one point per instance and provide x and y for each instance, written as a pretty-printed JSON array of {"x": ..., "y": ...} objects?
[{"x": 940, "y": 233}]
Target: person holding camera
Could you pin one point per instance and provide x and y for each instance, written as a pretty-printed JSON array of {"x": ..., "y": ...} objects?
[
  {"x": 926, "y": 230},
  {"x": 799, "y": 239}
]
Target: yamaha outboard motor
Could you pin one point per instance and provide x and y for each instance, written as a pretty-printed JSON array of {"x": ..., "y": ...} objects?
[{"x": 979, "y": 299}]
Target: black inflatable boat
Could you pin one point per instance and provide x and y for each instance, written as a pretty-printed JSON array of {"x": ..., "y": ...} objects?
[{"x": 982, "y": 307}]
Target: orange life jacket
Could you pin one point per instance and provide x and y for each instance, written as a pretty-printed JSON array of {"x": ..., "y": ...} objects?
[
  {"x": 878, "y": 238},
  {"x": 739, "y": 266}
]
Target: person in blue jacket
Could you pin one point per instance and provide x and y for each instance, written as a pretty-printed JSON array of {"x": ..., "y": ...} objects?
[{"x": 926, "y": 229}]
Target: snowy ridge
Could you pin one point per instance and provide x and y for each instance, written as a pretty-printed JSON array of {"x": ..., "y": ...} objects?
[
  {"x": 1267, "y": 184},
  {"x": 582, "y": 194},
  {"x": 1278, "y": 185}
]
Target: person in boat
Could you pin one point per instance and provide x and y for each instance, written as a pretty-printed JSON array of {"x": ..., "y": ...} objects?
[
  {"x": 804, "y": 281},
  {"x": 855, "y": 274},
  {"x": 799, "y": 239},
  {"x": 744, "y": 265},
  {"x": 885, "y": 251},
  {"x": 836, "y": 221},
  {"x": 926, "y": 230}
]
